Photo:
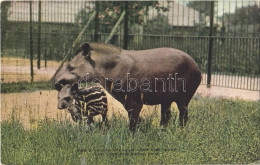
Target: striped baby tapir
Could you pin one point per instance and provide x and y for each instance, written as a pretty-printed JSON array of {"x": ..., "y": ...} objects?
[{"x": 83, "y": 103}]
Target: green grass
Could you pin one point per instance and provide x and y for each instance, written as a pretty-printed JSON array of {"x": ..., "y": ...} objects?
[
  {"x": 219, "y": 131},
  {"x": 25, "y": 87}
]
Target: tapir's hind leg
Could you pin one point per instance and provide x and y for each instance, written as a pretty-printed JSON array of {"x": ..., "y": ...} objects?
[
  {"x": 183, "y": 116},
  {"x": 133, "y": 106},
  {"x": 133, "y": 115},
  {"x": 165, "y": 113},
  {"x": 183, "y": 109}
]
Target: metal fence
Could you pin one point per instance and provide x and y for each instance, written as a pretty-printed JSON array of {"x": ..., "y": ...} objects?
[{"x": 222, "y": 36}]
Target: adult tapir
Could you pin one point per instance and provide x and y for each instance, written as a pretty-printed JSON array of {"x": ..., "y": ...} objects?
[{"x": 153, "y": 76}]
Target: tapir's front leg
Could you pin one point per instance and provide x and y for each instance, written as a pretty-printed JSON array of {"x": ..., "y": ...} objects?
[{"x": 133, "y": 105}]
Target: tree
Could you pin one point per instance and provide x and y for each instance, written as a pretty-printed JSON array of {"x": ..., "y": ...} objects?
[
  {"x": 242, "y": 18},
  {"x": 201, "y": 6},
  {"x": 158, "y": 25},
  {"x": 246, "y": 15},
  {"x": 110, "y": 11},
  {"x": 4, "y": 22},
  {"x": 204, "y": 11}
]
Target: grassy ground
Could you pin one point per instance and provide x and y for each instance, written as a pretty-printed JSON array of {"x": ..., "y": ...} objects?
[
  {"x": 26, "y": 86},
  {"x": 219, "y": 131}
]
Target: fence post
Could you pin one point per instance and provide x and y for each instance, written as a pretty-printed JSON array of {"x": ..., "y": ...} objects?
[
  {"x": 39, "y": 36},
  {"x": 96, "y": 22},
  {"x": 210, "y": 43},
  {"x": 115, "y": 27},
  {"x": 45, "y": 57},
  {"x": 126, "y": 26},
  {"x": 31, "y": 42}
]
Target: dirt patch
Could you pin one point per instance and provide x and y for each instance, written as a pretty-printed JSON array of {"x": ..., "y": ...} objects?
[
  {"x": 15, "y": 61},
  {"x": 18, "y": 69},
  {"x": 31, "y": 107},
  {"x": 21, "y": 77},
  {"x": 228, "y": 93}
]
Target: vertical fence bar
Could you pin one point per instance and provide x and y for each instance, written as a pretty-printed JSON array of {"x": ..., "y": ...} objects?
[
  {"x": 210, "y": 43},
  {"x": 96, "y": 29},
  {"x": 45, "y": 57},
  {"x": 31, "y": 42},
  {"x": 39, "y": 36},
  {"x": 126, "y": 26}
]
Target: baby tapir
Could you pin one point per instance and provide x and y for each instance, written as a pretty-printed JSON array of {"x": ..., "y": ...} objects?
[{"x": 84, "y": 103}]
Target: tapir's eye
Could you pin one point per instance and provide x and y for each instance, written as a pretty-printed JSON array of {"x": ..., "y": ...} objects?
[
  {"x": 62, "y": 82},
  {"x": 58, "y": 86},
  {"x": 67, "y": 99},
  {"x": 70, "y": 68}
]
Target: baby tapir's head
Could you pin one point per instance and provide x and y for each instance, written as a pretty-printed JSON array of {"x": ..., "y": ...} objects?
[{"x": 65, "y": 95}]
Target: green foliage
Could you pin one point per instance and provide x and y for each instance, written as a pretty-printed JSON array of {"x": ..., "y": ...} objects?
[
  {"x": 158, "y": 25},
  {"x": 219, "y": 131},
  {"x": 110, "y": 11},
  {"x": 243, "y": 15},
  {"x": 4, "y": 13},
  {"x": 202, "y": 6},
  {"x": 25, "y": 87},
  {"x": 243, "y": 22}
]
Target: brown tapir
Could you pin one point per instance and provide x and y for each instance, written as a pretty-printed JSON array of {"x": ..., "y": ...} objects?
[{"x": 153, "y": 76}]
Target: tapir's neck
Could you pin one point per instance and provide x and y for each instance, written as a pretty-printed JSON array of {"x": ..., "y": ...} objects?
[
  {"x": 114, "y": 68},
  {"x": 115, "y": 65}
]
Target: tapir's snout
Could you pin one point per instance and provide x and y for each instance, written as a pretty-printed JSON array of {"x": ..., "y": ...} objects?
[
  {"x": 63, "y": 105},
  {"x": 64, "y": 97}
]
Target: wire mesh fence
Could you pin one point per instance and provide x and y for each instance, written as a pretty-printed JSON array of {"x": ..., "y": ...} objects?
[{"x": 46, "y": 30}]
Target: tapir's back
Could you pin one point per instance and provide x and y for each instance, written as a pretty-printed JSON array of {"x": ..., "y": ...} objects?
[{"x": 162, "y": 62}]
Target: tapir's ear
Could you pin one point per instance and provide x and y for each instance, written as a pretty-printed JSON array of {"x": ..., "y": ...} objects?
[
  {"x": 86, "y": 49},
  {"x": 86, "y": 52},
  {"x": 58, "y": 86},
  {"x": 75, "y": 87}
]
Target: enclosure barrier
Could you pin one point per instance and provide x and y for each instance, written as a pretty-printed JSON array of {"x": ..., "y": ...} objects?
[{"x": 223, "y": 39}]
